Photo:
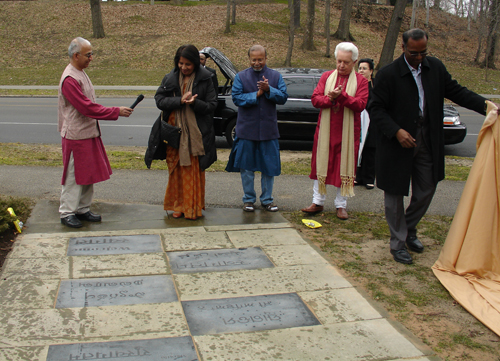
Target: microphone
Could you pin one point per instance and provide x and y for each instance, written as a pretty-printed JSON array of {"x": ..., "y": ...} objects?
[{"x": 137, "y": 101}]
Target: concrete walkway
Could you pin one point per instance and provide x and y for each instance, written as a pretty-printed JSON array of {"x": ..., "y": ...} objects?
[{"x": 65, "y": 302}]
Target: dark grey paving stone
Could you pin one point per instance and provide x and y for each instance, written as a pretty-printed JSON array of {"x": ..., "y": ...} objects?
[
  {"x": 218, "y": 260},
  {"x": 94, "y": 292},
  {"x": 244, "y": 314},
  {"x": 175, "y": 348},
  {"x": 99, "y": 246}
]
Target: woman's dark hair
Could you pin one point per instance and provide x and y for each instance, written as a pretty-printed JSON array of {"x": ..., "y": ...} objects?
[
  {"x": 368, "y": 61},
  {"x": 191, "y": 53}
]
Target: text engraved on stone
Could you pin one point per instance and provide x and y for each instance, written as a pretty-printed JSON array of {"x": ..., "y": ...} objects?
[
  {"x": 242, "y": 314},
  {"x": 96, "y": 246},
  {"x": 116, "y": 291},
  {"x": 218, "y": 260},
  {"x": 175, "y": 348}
]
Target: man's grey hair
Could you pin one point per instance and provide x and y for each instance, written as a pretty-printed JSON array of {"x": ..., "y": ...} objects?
[
  {"x": 76, "y": 45},
  {"x": 349, "y": 47},
  {"x": 257, "y": 47}
]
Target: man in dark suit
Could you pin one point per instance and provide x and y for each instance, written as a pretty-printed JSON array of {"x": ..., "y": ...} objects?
[
  {"x": 407, "y": 106},
  {"x": 203, "y": 61}
]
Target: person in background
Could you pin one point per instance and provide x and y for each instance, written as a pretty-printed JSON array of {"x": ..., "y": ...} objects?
[
  {"x": 341, "y": 94},
  {"x": 365, "y": 174},
  {"x": 84, "y": 157},
  {"x": 187, "y": 98},
  {"x": 203, "y": 61},
  {"x": 256, "y": 91}
]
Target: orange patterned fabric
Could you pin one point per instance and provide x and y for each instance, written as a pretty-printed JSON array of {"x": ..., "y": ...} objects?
[{"x": 186, "y": 185}]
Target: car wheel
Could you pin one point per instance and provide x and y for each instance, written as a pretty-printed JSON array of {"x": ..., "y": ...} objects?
[{"x": 230, "y": 132}]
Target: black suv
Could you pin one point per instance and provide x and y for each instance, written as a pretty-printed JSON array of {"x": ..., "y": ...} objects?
[{"x": 297, "y": 118}]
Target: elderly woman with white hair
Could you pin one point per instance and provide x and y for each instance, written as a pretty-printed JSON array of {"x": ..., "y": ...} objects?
[{"x": 341, "y": 94}]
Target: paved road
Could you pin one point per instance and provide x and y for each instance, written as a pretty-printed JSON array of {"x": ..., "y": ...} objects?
[{"x": 34, "y": 120}]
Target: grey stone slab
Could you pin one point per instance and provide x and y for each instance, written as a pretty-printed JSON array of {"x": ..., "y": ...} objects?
[
  {"x": 98, "y": 246},
  {"x": 95, "y": 292},
  {"x": 244, "y": 314},
  {"x": 178, "y": 348},
  {"x": 218, "y": 260}
]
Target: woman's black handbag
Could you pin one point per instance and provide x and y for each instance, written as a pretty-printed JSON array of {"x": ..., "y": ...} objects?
[{"x": 170, "y": 134}]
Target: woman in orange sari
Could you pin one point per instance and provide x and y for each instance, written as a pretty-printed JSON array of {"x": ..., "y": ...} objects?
[{"x": 187, "y": 98}]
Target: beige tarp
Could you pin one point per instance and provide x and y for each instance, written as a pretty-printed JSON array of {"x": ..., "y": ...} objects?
[{"x": 469, "y": 263}]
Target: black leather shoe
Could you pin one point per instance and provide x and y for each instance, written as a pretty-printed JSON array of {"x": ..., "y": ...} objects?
[
  {"x": 89, "y": 216},
  {"x": 402, "y": 256},
  {"x": 414, "y": 244},
  {"x": 71, "y": 221}
]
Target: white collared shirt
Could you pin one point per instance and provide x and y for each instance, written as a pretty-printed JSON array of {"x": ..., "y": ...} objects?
[{"x": 417, "y": 75}]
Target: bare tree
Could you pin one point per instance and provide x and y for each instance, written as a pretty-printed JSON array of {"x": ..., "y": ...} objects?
[
  {"x": 228, "y": 17},
  {"x": 343, "y": 32},
  {"x": 97, "y": 26},
  {"x": 492, "y": 40},
  {"x": 481, "y": 29},
  {"x": 391, "y": 38},
  {"x": 413, "y": 21},
  {"x": 427, "y": 11},
  {"x": 308, "y": 43},
  {"x": 233, "y": 20},
  {"x": 296, "y": 13},
  {"x": 327, "y": 27},
  {"x": 437, "y": 5},
  {"x": 291, "y": 34}
]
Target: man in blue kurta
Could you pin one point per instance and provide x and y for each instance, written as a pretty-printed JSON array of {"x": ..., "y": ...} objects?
[{"x": 256, "y": 91}]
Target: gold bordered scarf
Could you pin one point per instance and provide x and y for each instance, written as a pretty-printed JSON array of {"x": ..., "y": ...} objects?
[
  {"x": 347, "y": 170},
  {"x": 191, "y": 141}
]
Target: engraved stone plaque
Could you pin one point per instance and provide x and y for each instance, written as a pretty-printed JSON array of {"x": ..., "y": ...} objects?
[
  {"x": 98, "y": 246},
  {"x": 175, "y": 348},
  {"x": 218, "y": 260},
  {"x": 94, "y": 292},
  {"x": 244, "y": 314}
]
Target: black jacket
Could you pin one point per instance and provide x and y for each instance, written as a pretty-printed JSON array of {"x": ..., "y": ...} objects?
[
  {"x": 168, "y": 99},
  {"x": 394, "y": 105}
]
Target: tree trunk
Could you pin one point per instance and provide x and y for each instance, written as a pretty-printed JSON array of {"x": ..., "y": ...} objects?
[
  {"x": 489, "y": 61},
  {"x": 481, "y": 32},
  {"x": 233, "y": 21},
  {"x": 308, "y": 43},
  {"x": 291, "y": 34},
  {"x": 391, "y": 38},
  {"x": 343, "y": 32},
  {"x": 413, "y": 21},
  {"x": 427, "y": 12},
  {"x": 327, "y": 27},
  {"x": 296, "y": 14},
  {"x": 97, "y": 26},
  {"x": 437, "y": 4},
  {"x": 228, "y": 17}
]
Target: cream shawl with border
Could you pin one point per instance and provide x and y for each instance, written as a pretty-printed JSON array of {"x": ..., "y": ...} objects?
[{"x": 347, "y": 164}]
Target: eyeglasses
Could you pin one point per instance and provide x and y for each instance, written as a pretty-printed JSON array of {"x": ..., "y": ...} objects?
[
  {"x": 414, "y": 54},
  {"x": 88, "y": 55}
]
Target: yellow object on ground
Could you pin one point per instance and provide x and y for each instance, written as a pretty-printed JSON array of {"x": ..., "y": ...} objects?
[
  {"x": 17, "y": 222},
  {"x": 311, "y": 224}
]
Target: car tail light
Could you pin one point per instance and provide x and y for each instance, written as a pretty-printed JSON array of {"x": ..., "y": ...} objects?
[{"x": 451, "y": 120}]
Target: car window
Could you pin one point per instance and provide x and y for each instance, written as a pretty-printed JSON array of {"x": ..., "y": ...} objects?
[{"x": 299, "y": 87}]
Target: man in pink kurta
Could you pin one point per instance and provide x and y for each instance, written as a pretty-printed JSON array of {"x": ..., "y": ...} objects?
[
  {"x": 84, "y": 157},
  {"x": 336, "y": 100}
]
